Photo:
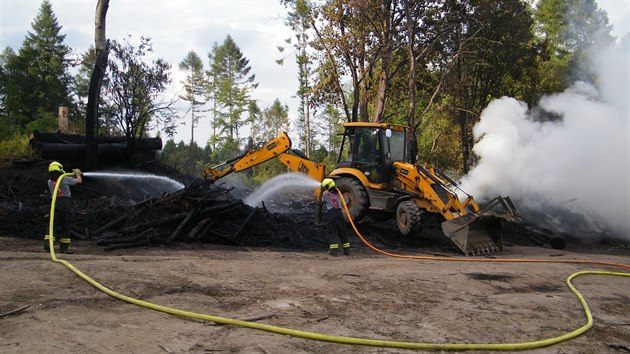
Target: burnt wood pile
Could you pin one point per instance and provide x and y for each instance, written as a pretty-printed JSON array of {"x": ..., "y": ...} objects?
[
  {"x": 115, "y": 215},
  {"x": 106, "y": 213},
  {"x": 206, "y": 213}
]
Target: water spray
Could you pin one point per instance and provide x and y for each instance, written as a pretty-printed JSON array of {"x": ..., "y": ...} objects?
[
  {"x": 280, "y": 185},
  {"x": 144, "y": 176}
]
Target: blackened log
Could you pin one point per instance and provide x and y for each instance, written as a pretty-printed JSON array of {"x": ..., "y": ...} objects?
[
  {"x": 153, "y": 223},
  {"x": 247, "y": 220},
  {"x": 192, "y": 234},
  {"x": 205, "y": 230},
  {"x": 76, "y": 139},
  {"x": 217, "y": 210},
  {"x": 118, "y": 239},
  {"x": 110, "y": 224},
  {"x": 57, "y": 138},
  {"x": 117, "y": 246},
  {"x": 106, "y": 150},
  {"x": 181, "y": 226}
]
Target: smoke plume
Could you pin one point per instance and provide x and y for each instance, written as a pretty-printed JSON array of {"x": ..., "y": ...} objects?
[{"x": 569, "y": 173}]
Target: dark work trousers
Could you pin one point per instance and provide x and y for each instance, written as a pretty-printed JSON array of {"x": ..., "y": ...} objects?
[
  {"x": 63, "y": 217},
  {"x": 337, "y": 227}
]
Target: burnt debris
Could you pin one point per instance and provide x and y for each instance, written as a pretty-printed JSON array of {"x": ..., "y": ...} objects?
[{"x": 124, "y": 213}]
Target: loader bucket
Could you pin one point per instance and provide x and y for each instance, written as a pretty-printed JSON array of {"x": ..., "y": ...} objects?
[{"x": 475, "y": 234}]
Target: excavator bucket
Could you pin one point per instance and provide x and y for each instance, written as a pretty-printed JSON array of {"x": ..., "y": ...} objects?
[
  {"x": 475, "y": 234},
  {"x": 482, "y": 232}
]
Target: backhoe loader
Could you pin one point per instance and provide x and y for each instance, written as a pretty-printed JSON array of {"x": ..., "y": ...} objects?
[{"x": 377, "y": 179}]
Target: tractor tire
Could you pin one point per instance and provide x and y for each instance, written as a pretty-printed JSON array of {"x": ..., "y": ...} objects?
[
  {"x": 407, "y": 216},
  {"x": 355, "y": 195}
]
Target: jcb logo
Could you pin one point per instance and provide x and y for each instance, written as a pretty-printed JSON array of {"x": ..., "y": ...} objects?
[
  {"x": 302, "y": 168},
  {"x": 271, "y": 146}
]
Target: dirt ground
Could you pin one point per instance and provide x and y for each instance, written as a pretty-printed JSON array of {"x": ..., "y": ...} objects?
[{"x": 365, "y": 295}]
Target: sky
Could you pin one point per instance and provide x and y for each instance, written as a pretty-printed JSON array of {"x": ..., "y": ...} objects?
[{"x": 176, "y": 27}]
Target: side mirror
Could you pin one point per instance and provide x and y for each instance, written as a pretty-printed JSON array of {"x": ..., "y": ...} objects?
[{"x": 388, "y": 133}]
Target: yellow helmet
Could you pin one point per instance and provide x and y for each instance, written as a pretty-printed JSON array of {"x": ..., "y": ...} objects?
[
  {"x": 328, "y": 183},
  {"x": 55, "y": 166}
]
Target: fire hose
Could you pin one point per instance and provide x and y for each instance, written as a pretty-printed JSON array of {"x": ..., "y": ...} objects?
[{"x": 353, "y": 340}]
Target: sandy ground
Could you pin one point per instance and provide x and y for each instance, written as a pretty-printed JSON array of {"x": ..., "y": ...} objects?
[{"x": 364, "y": 295}]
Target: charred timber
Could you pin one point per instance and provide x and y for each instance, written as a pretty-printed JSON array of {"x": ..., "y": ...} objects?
[{"x": 70, "y": 146}]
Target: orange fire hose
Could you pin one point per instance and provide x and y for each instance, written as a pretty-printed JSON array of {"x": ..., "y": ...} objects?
[{"x": 468, "y": 259}]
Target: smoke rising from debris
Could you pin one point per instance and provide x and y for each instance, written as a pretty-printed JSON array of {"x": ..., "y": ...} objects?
[{"x": 569, "y": 173}]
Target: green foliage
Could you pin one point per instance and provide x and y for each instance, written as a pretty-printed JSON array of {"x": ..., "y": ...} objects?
[
  {"x": 276, "y": 120},
  {"x": 15, "y": 148},
  {"x": 133, "y": 88},
  {"x": 188, "y": 159},
  {"x": 82, "y": 78},
  {"x": 300, "y": 18},
  {"x": 569, "y": 33},
  {"x": 226, "y": 149},
  {"x": 438, "y": 144},
  {"x": 323, "y": 155},
  {"x": 231, "y": 84},
  {"x": 263, "y": 172},
  {"x": 491, "y": 42},
  {"x": 256, "y": 123},
  {"x": 45, "y": 122},
  {"x": 37, "y": 78},
  {"x": 195, "y": 88}
]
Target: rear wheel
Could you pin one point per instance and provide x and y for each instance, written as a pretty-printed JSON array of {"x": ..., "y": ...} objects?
[
  {"x": 407, "y": 216},
  {"x": 355, "y": 196}
]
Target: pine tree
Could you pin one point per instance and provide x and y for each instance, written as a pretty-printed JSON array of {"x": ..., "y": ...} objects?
[
  {"x": 256, "y": 122},
  {"x": 276, "y": 119},
  {"x": 38, "y": 79},
  {"x": 299, "y": 19},
  {"x": 194, "y": 88},
  {"x": 232, "y": 86}
]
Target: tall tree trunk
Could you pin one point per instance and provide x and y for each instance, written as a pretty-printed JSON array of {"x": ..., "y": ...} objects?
[
  {"x": 362, "y": 92},
  {"x": 411, "y": 85},
  {"x": 307, "y": 123},
  {"x": 387, "y": 45},
  {"x": 192, "y": 127},
  {"x": 96, "y": 81},
  {"x": 383, "y": 84},
  {"x": 463, "y": 117}
]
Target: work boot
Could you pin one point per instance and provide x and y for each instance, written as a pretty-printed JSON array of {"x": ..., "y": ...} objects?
[
  {"x": 64, "y": 247},
  {"x": 47, "y": 243},
  {"x": 333, "y": 249},
  {"x": 346, "y": 249}
]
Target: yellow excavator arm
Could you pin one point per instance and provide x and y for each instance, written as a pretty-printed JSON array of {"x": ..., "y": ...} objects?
[
  {"x": 277, "y": 147},
  {"x": 251, "y": 158}
]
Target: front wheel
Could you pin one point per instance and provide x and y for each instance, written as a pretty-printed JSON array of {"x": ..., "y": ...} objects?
[
  {"x": 355, "y": 196},
  {"x": 407, "y": 216}
]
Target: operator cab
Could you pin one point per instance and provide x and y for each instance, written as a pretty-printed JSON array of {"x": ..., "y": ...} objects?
[{"x": 372, "y": 148}]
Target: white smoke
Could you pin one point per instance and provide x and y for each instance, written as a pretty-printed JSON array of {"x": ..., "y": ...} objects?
[{"x": 574, "y": 165}]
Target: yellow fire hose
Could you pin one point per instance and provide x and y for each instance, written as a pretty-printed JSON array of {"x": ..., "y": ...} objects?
[{"x": 341, "y": 339}]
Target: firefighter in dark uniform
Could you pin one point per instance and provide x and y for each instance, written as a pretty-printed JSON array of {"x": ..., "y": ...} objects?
[
  {"x": 63, "y": 205},
  {"x": 336, "y": 223}
]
